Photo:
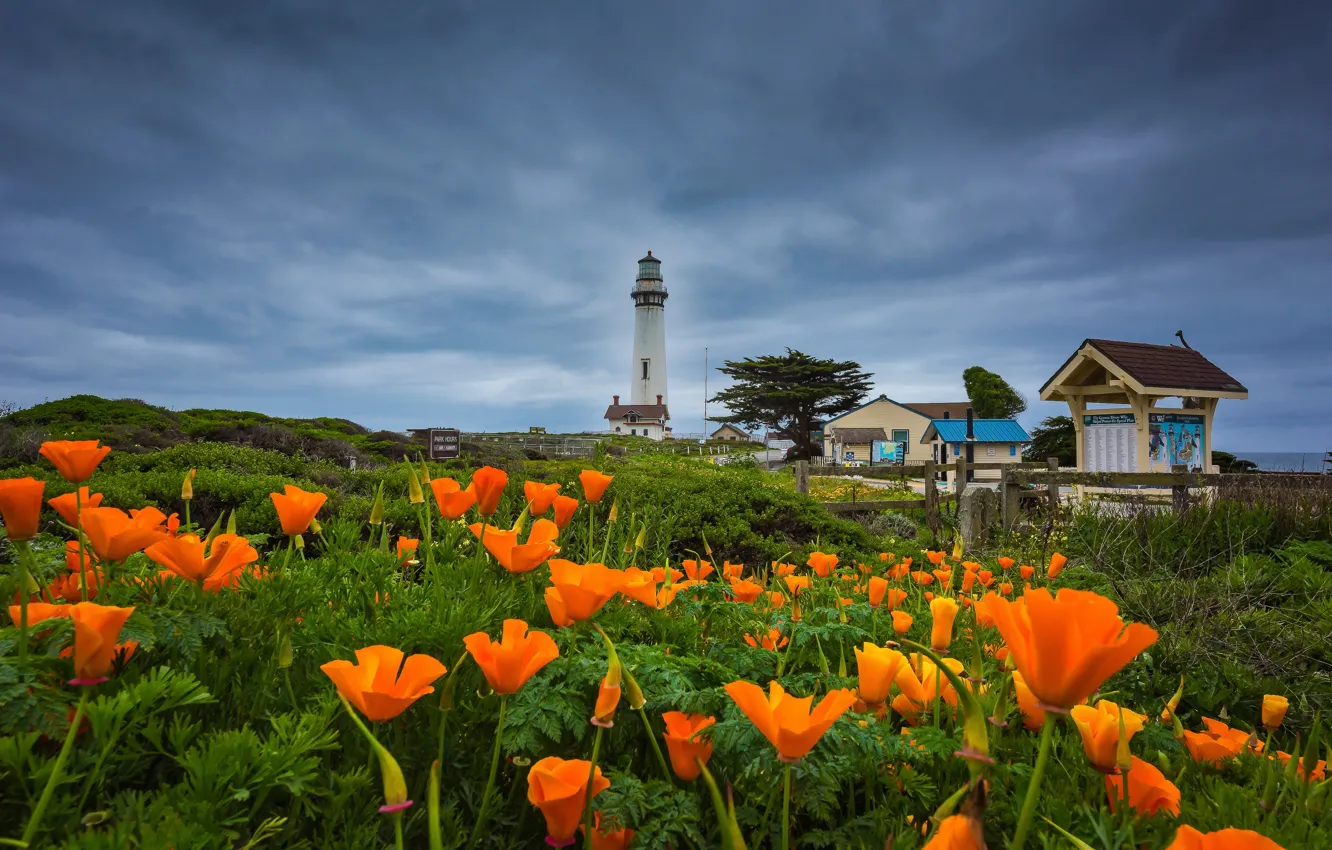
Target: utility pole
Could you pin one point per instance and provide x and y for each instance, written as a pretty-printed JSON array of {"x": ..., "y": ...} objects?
[{"x": 705, "y": 392}]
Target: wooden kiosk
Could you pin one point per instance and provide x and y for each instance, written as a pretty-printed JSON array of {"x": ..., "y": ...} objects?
[{"x": 1128, "y": 431}]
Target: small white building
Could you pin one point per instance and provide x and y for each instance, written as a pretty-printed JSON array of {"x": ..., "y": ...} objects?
[
  {"x": 730, "y": 432},
  {"x": 638, "y": 420}
]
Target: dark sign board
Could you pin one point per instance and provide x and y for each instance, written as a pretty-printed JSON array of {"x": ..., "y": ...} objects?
[{"x": 443, "y": 443}]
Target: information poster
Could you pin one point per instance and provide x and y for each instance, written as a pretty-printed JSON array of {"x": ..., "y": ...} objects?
[
  {"x": 888, "y": 451},
  {"x": 1110, "y": 443},
  {"x": 1176, "y": 439}
]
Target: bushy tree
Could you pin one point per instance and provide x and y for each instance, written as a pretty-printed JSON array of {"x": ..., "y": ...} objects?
[
  {"x": 990, "y": 395},
  {"x": 789, "y": 392},
  {"x": 1054, "y": 438}
]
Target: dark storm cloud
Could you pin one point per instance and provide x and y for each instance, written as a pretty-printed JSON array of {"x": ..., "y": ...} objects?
[{"x": 430, "y": 211}]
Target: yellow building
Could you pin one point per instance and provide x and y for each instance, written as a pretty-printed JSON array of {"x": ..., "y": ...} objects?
[
  {"x": 730, "y": 432},
  {"x": 1114, "y": 392},
  {"x": 978, "y": 441},
  {"x": 852, "y": 436}
]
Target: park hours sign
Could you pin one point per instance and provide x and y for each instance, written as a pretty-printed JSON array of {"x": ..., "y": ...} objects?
[{"x": 444, "y": 443}]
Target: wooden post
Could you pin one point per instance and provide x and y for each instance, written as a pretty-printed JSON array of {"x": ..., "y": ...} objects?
[
  {"x": 1053, "y": 492},
  {"x": 1179, "y": 493},
  {"x": 1009, "y": 499},
  {"x": 960, "y": 474},
  {"x": 931, "y": 498},
  {"x": 802, "y": 476}
]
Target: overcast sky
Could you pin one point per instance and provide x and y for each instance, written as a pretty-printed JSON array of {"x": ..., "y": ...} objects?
[{"x": 415, "y": 214}]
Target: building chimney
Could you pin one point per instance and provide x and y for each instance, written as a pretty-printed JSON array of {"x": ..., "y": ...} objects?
[
  {"x": 658, "y": 399},
  {"x": 617, "y": 399},
  {"x": 971, "y": 430},
  {"x": 946, "y": 415}
]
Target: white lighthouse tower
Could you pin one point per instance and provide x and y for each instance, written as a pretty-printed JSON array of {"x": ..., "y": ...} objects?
[{"x": 646, "y": 414}]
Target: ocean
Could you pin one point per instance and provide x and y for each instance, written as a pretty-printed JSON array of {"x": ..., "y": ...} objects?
[{"x": 1286, "y": 461}]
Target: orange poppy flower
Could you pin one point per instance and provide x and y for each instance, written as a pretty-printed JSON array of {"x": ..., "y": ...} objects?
[
  {"x": 1026, "y": 571},
  {"x": 581, "y": 589},
  {"x": 38, "y": 611},
  {"x": 517, "y": 657},
  {"x": 96, "y": 630},
  {"x": 229, "y": 577},
  {"x": 21, "y": 506},
  {"x": 935, "y": 558},
  {"x": 453, "y": 501},
  {"x": 296, "y": 508},
  {"x": 1318, "y": 774},
  {"x": 956, "y": 832},
  {"x": 407, "y": 547},
  {"x": 886, "y": 556},
  {"x": 75, "y": 460},
  {"x": 488, "y": 483},
  {"x": 68, "y": 505},
  {"x": 822, "y": 563},
  {"x": 515, "y": 557},
  {"x": 901, "y": 622},
  {"x": 683, "y": 743},
  {"x": 900, "y": 571},
  {"x": 1219, "y": 743},
  {"x": 745, "y": 591},
  {"x": 1006, "y": 588},
  {"x": 594, "y": 484},
  {"x": 796, "y": 584},
  {"x": 730, "y": 570},
  {"x": 877, "y": 588},
  {"x": 945, "y": 577},
  {"x": 640, "y": 585},
  {"x": 920, "y": 682},
  {"x": 1099, "y": 727},
  {"x": 540, "y": 496},
  {"x": 115, "y": 535},
  {"x": 943, "y": 611},
  {"x": 786, "y": 721},
  {"x": 558, "y": 787},
  {"x": 1067, "y": 645},
  {"x": 186, "y": 557},
  {"x": 922, "y": 578},
  {"x": 985, "y": 577},
  {"x": 1188, "y": 838},
  {"x": 1149, "y": 791},
  {"x": 876, "y": 669},
  {"x": 564, "y": 509},
  {"x": 1033, "y": 716},
  {"x": 968, "y": 581},
  {"x": 783, "y": 570},
  {"x": 769, "y": 601},
  {"x": 929, "y": 596},
  {"x": 618, "y": 839},
  {"x": 865, "y": 568},
  {"x": 1057, "y": 562},
  {"x": 1274, "y": 710},
  {"x": 773, "y": 640},
  {"x": 374, "y": 684},
  {"x": 659, "y": 574},
  {"x": 698, "y": 570},
  {"x": 1006, "y": 563}
]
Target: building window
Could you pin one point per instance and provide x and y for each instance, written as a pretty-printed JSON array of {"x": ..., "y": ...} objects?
[
  {"x": 645, "y": 369},
  {"x": 1012, "y": 451},
  {"x": 957, "y": 450},
  {"x": 901, "y": 435},
  {"x": 633, "y": 417}
]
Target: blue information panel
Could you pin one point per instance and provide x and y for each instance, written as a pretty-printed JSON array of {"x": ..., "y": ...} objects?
[
  {"x": 888, "y": 451},
  {"x": 1177, "y": 439}
]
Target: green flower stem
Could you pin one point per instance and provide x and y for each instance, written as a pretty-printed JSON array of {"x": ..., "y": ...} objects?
[
  {"x": 436, "y": 834},
  {"x": 786, "y": 810},
  {"x": 591, "y": 512},
  {"x": 656, "y": 748},
  {"x": 83, "y": 544},
  {"x": 587, "y": 802},
  {"x": 35, "y": 822},
  {"x": 1034, "y": 788},
  {"x": 494, "y": 767},
  {"x": 397, "y": 830},
  {"x": 24, "y": 556}
]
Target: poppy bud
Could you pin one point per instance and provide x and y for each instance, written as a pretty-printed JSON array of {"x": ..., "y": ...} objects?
[
  {"x": 425, "y": 472},
  {"x": 414, "y": 494},
  {"x": 641, "y": 540},
  {"x": 957, "y": 549},
  {"x": 614, "y": 511},
  {"x": 285, "y": 651},
  {"x": 316, "y": 527},
  {"x": 608, "y": 697},
  {"x": 1123, "y": 758},
  {"x": 187, "y": 486},
  {"x": 632, "y": 691},
  {"x": 231, "y": 523},
  {"x": 298, "y": 541},
  {"x": 1173, "y": 704},
  {"x": 1274, "y": 710},
  {"x": 377, "y": 509}
]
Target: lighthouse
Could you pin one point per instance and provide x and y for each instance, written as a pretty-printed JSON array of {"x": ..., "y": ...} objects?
[{"x": 646, "y": 413}]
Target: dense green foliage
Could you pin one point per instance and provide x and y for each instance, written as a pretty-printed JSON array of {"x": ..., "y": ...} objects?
[
  {"x": 788, "y": 393},
  {"x": 204, "y": 740},
  {"x": 1054, "y": 438}
]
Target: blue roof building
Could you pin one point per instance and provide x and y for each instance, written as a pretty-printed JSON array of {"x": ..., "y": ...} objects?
[{"x": 991, "y": 441}]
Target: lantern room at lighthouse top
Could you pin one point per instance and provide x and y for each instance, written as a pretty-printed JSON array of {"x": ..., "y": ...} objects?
[{"x": 649, "y": 290}]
